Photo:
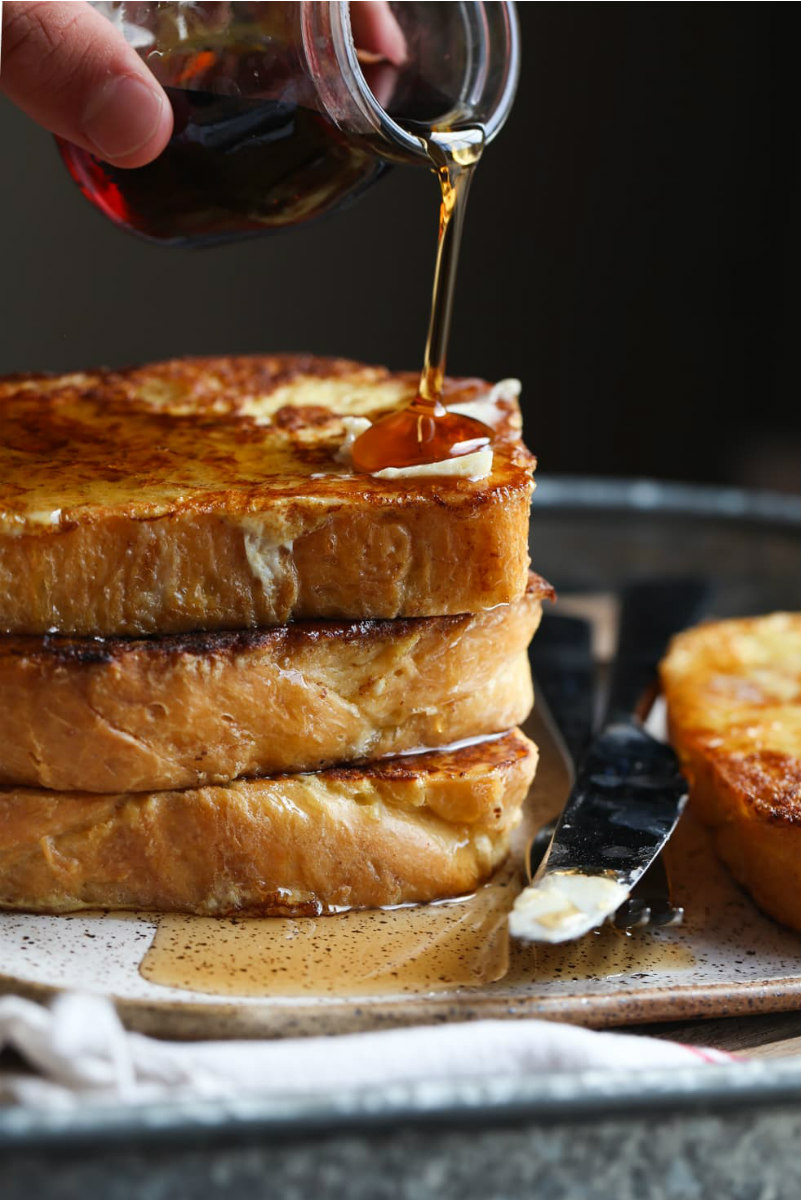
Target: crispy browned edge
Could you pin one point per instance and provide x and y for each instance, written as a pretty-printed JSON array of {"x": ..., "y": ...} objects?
[
  {"x": 749, "y": 800},
  {"x": 89, "y": 651},
  {"x": 755, "y": 832},
  {"x": 180, "y": 712}
]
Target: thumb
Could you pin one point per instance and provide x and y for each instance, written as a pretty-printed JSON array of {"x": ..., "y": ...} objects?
[{"x": 68, "y": 67}]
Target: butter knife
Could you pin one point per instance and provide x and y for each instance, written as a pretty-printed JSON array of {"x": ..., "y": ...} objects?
[
  {"x": 565, "y": 673},
  {"x": 629, "y": 791}
]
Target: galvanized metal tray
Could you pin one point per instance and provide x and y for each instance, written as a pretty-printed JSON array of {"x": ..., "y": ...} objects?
[{"x": 587, "y": 535}]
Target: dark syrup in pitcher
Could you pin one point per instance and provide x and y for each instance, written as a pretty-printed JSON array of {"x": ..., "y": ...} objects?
[
  {"x": 238, "y": 165},
  {"x": 232, "y": 167}
]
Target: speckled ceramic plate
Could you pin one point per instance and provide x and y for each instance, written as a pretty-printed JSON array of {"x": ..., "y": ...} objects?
[
  {"x": 587, "y": 535},
  {"x": 196, "y": 977}
]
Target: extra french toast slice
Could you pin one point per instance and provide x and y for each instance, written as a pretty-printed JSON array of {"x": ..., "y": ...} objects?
[
  {"x": 205, "y": 494},
  {"x": 408, "y": 829},
  {"x": 112, "y": 715},
  {"x": 733, "y": 690}
]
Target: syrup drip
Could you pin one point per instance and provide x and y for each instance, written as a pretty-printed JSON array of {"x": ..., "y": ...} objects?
[{"x": 425, "y": 432}]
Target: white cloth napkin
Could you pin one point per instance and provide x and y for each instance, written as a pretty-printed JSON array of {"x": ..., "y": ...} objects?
[{"x": 80, "y": 1051}]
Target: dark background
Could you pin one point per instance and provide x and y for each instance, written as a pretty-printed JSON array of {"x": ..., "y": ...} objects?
[{"x": 632, "y": 253}]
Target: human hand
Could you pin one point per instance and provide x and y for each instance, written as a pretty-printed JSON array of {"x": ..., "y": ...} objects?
[{"x": 70, "y": 69}]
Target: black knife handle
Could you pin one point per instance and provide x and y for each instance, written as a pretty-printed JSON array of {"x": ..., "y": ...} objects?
[
  {"x": 651, "y": 612},
  {"x": 563, "y": 666}
]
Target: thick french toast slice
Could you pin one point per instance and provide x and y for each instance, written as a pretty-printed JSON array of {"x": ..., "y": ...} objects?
[
  {"x": 209, "y": 494},
  {"x": 408, "y": 829},
  {"x": 733, "y": 690},
  {"x": 112, "y": 715}
]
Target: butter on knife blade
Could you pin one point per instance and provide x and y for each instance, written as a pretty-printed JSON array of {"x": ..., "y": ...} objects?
[
  {"x": 626, "y": 800},
  {"x": 565, "y": 905}
]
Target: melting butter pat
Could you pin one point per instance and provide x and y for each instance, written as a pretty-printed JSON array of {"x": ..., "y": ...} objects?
[
  {"x": 354, "y": 428},
  {"x": 491, "y": 408},
  {"x": 564, "y": 905},
  {"x": 467, "y": 466},
  {"x": 44, "y": 517},
  {"x": 19, "y": 523}
]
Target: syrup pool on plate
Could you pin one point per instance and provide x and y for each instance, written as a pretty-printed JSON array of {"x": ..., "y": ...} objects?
[{"x": 410, "y": 950}]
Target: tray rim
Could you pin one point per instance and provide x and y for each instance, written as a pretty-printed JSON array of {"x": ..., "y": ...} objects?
[
  {"x": 570, "y": 493},
  {"x": 551, "y": 1098}
]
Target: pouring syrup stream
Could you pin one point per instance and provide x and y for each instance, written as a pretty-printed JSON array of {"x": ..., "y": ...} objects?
[{"x": 424, "y": 431}]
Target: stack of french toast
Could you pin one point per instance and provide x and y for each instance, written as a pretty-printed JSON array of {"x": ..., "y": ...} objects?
[{"x": 238, "y": 676}]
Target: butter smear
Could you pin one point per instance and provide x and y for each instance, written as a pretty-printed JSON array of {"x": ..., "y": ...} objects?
[{"x": 564, "y": 905}]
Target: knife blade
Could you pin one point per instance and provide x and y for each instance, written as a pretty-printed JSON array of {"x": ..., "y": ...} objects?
[
  {"x": 564, "y": 671},
  {"x": 628, "y": 793}
]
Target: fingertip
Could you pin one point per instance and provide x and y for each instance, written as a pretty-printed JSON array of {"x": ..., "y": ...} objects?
[
  {"x": 394, "y": 42},
  {"x": 375, "y": 28},
  {"x": 127, "y": 120},
  {"x": 153, "y": 146},
  {"x": 72, "y": 71}
]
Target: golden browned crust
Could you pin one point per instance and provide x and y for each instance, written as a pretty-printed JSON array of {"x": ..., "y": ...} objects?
[
  {"x": 206, "y": 494},
  {"x": 411, "y": 829},
  {"x": 107, "y": 715},
  {"x": 734, "y": 700}
]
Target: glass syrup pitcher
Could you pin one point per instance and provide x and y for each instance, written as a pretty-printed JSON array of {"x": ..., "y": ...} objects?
[{"x": 285, "y": 111}]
